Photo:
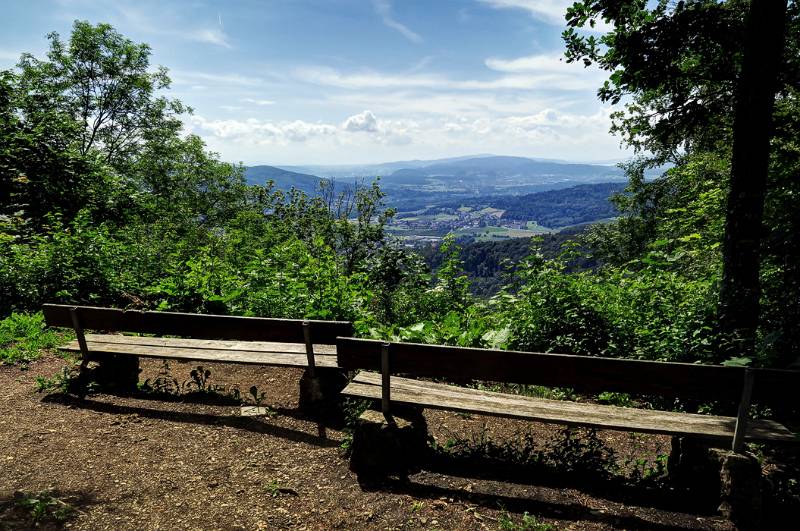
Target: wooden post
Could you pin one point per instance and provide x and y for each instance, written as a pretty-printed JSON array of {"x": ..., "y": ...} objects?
[
  {"x": 309, "y": 349},
  {"x": 76, "y": 324},
  {"x": 744, "y": 412},
  {"x": 386, "y": 392}
]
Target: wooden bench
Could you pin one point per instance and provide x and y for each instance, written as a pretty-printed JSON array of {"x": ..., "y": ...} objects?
[
  {"x": 306, "y": 344},
  {"x": 582, "y": 373}
]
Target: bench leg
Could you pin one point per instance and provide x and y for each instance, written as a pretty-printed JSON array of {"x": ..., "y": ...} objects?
[
  {"x": 718, "y": 477},
  {"x": 116, "y": 372},
  {"x": 321, "y": 390},
  {"x": 740, "y": 489},
  {"x": 692, "y": 466},
  {"x": 381, "y": 448}
]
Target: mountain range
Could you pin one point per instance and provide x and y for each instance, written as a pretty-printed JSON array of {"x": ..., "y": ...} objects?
[{"x": 460, "y": 176}]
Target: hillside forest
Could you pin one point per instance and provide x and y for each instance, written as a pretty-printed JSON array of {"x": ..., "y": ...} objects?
[{"x": 104, "y": 200}]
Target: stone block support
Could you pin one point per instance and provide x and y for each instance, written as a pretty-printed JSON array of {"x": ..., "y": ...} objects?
[{"x": 389, "y": 448}]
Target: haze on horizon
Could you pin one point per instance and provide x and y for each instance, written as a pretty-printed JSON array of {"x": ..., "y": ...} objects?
[{"x": 313, "y": 82}]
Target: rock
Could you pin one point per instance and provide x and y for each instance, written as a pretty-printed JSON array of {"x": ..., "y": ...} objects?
[
  {"x": 321, "y": 394},
  {"x": 381, "y": 447},
  {"x": 740, "y": 489}
]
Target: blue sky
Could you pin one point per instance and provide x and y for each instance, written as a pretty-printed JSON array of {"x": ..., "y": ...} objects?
[{"x": 355, "y": 81}]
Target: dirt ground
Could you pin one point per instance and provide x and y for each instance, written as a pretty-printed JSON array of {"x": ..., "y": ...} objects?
[{"x": 140, "y": 463}]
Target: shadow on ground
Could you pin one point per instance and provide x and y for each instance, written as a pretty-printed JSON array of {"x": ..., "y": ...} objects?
[
  {"x": 252, "y": 424},
  {"x": 513, "y": 504}
]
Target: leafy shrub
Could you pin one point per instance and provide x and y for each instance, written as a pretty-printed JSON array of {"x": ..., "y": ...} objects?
[
  {"x": 654, "y": 314},
  {"x": 23, "y": 336}
]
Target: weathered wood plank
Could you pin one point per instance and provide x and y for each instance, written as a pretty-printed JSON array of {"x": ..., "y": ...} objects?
[
  {"x": 288, "y": 359},
  {"x": 583, "y": 373},
  {"x": 256, "y": 346},
  {"x": 197, "y": 326},
  {"x": 448, "y": 397}
]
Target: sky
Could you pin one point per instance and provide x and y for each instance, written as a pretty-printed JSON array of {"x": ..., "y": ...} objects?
[{"x": 355, "y": 81}]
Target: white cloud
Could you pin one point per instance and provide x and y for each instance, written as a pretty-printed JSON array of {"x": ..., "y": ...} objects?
[
  {"x": 384, "y": 9},
  {"x": 533, "y": 63},
  {"x": 363, "y": 121},
  {"x": 166, "y": 20},
  {"x": 548, "y": 11},
  {"x": 258, "y": 132},
  {"x": 548, "y": 132},
  {"x": 258, "y": 102},
  {"x": 208, "y": 36},
  {"x": 535, "y": 72},
  {"x": 185, "y": 77}
]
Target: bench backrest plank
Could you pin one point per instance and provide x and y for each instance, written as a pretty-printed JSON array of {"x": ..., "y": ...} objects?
[
  {"x": 583, "y": 373},
  {"x": 199, "y": 326}
]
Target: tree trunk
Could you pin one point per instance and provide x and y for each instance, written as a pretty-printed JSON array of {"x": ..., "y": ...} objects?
[{"x": 752, "y": 129}]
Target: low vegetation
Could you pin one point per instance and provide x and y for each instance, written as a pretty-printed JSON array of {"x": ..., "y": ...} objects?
[{"x": 23, "y": 337}]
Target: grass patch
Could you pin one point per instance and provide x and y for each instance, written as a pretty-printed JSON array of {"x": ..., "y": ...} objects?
[{"x": 24, "y": 336}]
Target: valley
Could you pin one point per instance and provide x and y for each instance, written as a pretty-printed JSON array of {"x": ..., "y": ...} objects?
[{"x": 484, "y": 198}]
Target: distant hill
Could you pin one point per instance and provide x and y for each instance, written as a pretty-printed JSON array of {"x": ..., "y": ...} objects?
[
  {"x": 584, "y": 203},
  {"x": 284, "y": 179},
  {"x": 559, "y": 208},
  {"x": 370, "y": 171},
  {"x": 496, "y": 171}
]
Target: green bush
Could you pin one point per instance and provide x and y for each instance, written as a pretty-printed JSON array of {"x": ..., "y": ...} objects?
[{"x": 23, "y": 336}]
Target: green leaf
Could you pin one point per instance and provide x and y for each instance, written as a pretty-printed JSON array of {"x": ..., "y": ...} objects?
[
  {"x": 738, "y": 362},
  {"x": 497, "y": 338}
]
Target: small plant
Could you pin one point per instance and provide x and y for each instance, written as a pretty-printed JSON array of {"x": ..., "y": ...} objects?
[
  {"x": 67, "y": 380},
  {"x": 347, "y": 444},
  {"x": 527, "y": 523},
  {"x": 638, "y": 468},
  {"x": 58, "y": 383},
  {"x": 44, "y": 506},
  {"x": 275, "y": 489},
  {"x": 417, "y": 506},
  {"x": 352, "y": 408}
]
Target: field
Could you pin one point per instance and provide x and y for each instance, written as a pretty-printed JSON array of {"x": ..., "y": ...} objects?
[{"x": 486, "y": 234}]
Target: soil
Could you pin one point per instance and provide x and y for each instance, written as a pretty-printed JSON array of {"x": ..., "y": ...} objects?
[{"x": 137, "y": 462}]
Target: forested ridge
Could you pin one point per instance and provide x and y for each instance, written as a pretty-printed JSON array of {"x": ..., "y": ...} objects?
[
  {"x": 575, "y": 205},
  {"x": 105, "y": 201}
]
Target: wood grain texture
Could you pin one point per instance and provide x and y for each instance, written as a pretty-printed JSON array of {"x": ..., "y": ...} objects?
[
  {"x": 453, "y": 398},
  {"x": 197, "y": 326},
  {"x": 583, "y": 373},
  {"x": 253, "y": 357},
  {"x": 257, "y": 346}
]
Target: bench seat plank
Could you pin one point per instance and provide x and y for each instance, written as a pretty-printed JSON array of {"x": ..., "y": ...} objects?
[
  {"x": 224, "y": 355},
  {"x": 256, "y": 346},
  {"x": 449, "y": 397}
]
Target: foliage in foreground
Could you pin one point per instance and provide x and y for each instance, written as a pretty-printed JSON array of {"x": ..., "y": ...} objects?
[
  {"x": 23, "y": 337},
  {"x": 161, "y": 223}
]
